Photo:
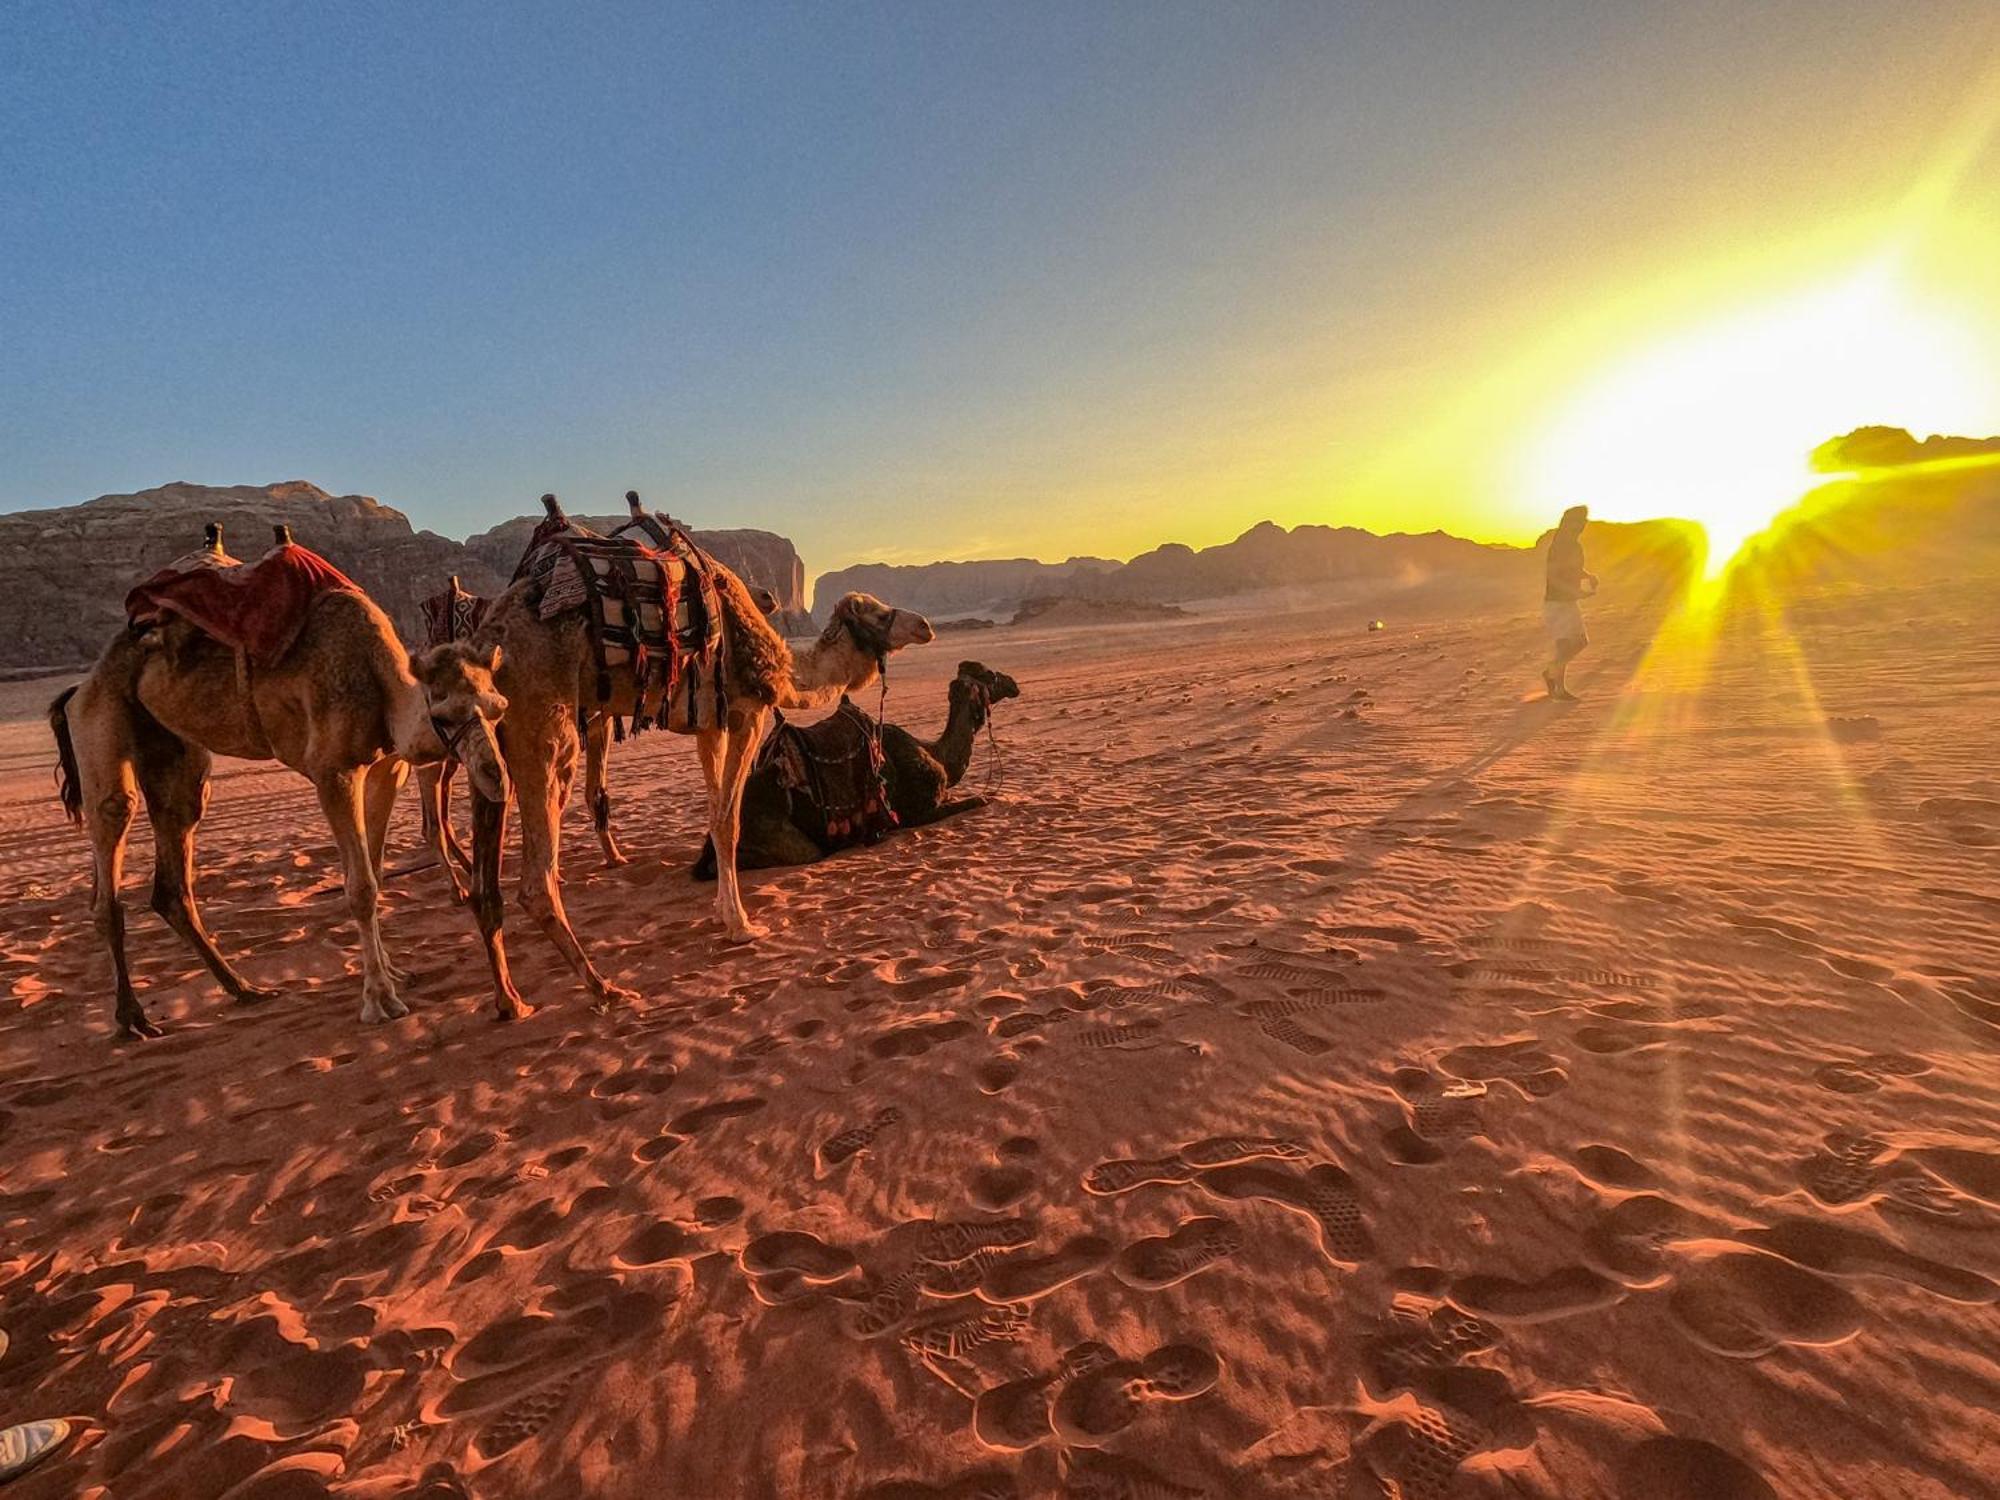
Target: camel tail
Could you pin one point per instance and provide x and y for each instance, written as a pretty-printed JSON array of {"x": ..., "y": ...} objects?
[{"x": 69, "y": 780}]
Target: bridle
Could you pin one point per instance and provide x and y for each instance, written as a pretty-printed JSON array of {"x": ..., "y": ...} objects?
[{"x": 874, "y": 643}]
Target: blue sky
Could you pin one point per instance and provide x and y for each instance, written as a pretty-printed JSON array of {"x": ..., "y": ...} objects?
[{"x": 900, "y": 281}]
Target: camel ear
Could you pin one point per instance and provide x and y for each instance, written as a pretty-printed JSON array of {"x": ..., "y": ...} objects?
[{"x": 491, "y": 660}]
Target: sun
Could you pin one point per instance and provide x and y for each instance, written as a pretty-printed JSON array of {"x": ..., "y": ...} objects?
[{"x": 1714, "y": 424}]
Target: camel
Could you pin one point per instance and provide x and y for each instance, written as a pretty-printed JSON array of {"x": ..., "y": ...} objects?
[
  {"x": 781, "y": 828},
  {"x": 441, "y": 845},
  {"x": 340, "y": 706},
  {"x": 546, "y": 672}
]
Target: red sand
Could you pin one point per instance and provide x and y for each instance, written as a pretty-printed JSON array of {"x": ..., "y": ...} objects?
[{"x": 1467, "y": 1097}]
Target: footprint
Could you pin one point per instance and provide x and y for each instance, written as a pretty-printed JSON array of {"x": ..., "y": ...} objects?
[
  {"x": 1227, "y": 1150},
  {"x": 1559, "y": 1294},
  {"x": 1610, "y": 1167},
  {"x": 1629, "y": 1242},
  {"x": 525, "y": 1418},
  {"x": 852, "y": 1141},
  {"x": 1425, "y": 1338},
  {"x": 1523, "y": 1064},
  {"x": 1014, "y": 1416},
  {"x": 804, "y": 1255},
  {"x": 955, "y": 1335},
  {"x": 1094, "y": 1408},
  {"x": 1744, "y": 1304},
  {"x": 1165, "y": 1260},
  {"x": 1437, "y": 1114},
  {"x": 1025, "y": 1277},
  {"x": 660, "y": 1241},
  {"x": 693, "y": 1121},
  {"x": 1324, "y": 1193},
  {"x": 1843, "y": 1251},
  {"x": 1843, "y": 1170},
  {"x": 1864, "y": 1075},
  {"x": 999, "y": 1187},
  {"x": 1122, "y": 1176},
  {"x": 947, "y": 1240}
]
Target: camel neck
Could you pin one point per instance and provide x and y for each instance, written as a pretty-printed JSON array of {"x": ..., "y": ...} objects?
[{"x": 953, "y": 748}]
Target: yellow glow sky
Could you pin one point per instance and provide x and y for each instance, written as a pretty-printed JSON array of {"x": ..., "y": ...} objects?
[{"x": 1683, "y": 364}]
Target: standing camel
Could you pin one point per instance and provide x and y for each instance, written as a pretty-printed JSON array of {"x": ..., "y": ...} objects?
[
  {"x": 338, "y": 704},
  {"x": 547, "y": 674},
  {"x": 453, "y": 614}
]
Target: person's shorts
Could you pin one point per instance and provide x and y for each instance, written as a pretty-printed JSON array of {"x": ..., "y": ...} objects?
[{"x": 1564, "y": 619}]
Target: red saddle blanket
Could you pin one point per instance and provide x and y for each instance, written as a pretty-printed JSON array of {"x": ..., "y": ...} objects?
[{"x": 258, "y": 610}]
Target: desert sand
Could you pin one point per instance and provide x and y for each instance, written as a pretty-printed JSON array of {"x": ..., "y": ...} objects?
[{"x": 1326, "y": 1069}]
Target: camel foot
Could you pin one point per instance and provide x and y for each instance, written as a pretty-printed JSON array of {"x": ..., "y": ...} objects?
[
  {"x": 388, "y": 1008},
  {"x": 615, "y": 857},
  {"x": 613, "y": 996},
  {"x": 745, "y": 932},
  {"x": 512, "y": 1008},
  {"x": 136, "y": 1028},
  {"x": 254, "y": 994}
]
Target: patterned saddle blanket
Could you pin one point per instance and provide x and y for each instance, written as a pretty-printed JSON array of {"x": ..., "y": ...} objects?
[
  {"x": 451, "y": 614},
  {"x": 258, "y": 610},
  {"x": 648, "y": 598},
  {"x": 832, "y": 775}
]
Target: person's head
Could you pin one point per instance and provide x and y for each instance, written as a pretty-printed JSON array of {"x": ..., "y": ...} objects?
[{"x": 1574, "y": 517}]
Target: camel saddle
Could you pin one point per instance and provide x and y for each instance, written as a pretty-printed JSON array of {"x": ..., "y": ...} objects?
[
  {"x": 258, "y": 610},
  {"x": 648, "y": 598},
  {"x": 832, "y": 775},
  {"x": 451, "y": 614}
]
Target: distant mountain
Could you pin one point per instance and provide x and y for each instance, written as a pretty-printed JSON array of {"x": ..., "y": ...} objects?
[
  {"x": 950, "y": 590},
  {"x": 64, "y": 572},
  {"x": 1266, "y": 556},
  {"x": 1894, "y": 447}
]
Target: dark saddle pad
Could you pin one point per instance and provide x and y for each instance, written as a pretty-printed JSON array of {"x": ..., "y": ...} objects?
[
  {"x": 832, "y": 775},
  {"x": 654, "y": 608}
]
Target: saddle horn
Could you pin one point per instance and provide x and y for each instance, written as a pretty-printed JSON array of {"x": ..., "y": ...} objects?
[
  {"x": 635, "y": 504},
  {"x": 211, "y": 537},
  {"x": 283, "y": 533},
  {"x": 554, "y": 507}
]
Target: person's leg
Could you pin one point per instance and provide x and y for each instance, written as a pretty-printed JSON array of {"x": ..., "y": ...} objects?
[{"x": 1567, "y": 651}]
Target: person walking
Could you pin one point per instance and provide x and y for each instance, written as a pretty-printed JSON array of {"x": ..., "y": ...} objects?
[{"x": 1568, "y": 584}]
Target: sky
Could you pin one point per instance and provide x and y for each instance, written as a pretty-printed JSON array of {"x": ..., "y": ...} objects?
[{"x": 929, "y": 280}]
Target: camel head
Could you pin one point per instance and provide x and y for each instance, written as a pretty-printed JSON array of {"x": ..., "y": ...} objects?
[
  {"x": 464, "y": 705},
  {"x": 978, "y": 688},
  {"x": 875, "y": 630}
]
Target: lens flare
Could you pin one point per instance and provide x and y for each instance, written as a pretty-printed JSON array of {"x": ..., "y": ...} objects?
[{"x": 1715, "y": 424}]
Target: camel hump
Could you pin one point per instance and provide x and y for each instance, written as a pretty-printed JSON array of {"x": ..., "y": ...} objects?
[
  {"x": 283, "y": 534},
  {"x": 554, "y": 507},
  {"x": 634, "y": 503}
]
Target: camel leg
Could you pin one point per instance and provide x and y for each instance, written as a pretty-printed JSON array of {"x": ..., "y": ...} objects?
[
  {"x": 739, "y": 745},
  {"x": 454, "y": 851},
  {"x": 596, "y": 747},
  {"x": 110, "y": 802},
  {"x": 379, "y": 787},
  {"x": 174, "y": 777},
  {"x": 383, "y": 781},
  {"x": 489, "y": 831},
  {"x": 340, "y": 798},
  {"x": 541, "y": 782}
]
